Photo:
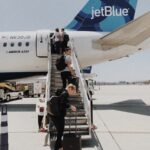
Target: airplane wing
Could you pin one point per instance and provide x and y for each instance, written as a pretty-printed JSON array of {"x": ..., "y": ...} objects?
[{"x": 128, "y": 39}]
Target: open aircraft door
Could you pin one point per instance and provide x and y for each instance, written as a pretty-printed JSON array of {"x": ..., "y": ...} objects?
[{"x": 42, "y": 41}]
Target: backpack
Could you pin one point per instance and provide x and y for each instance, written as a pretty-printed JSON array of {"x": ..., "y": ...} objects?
[
  {"x": 60, "y": 63},
  {"x": 66, "y": 37},
  {"x": 54, "y": 106},
  {"x": 41, "y": 109}
]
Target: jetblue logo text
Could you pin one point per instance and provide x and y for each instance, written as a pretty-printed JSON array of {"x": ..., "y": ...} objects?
[{"x": 109, "y": 11}]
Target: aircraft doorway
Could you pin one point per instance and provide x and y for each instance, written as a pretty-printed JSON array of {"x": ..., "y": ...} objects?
[{"x": 42, "y": 40}]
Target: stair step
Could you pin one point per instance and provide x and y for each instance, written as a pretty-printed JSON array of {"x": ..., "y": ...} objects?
[
  {"x": 79, "y": 98},
  {"x": 67, "y": 128},
  {"x": 56, "y": 55},
  {"x": 56, "y": 76},
  {"x": 54, "y": 80},
  {"x": 78, "y": 103},
  {"x": 56, "y": 83},
  {"x": 58, "y": 86},
  {"x": 79, "y": 107},
  {"x": 78, "y": 121},
  {"x": 80, "y": 133},
  {"x": 54, "y": 69},
  {"x": 72, "y": 114}
]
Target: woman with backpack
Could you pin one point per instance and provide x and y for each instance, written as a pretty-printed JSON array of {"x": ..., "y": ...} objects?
[{"x": 66, "y": 73}]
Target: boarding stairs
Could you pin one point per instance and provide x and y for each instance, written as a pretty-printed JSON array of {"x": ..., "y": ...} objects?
[{"x": 81, "y": 118}]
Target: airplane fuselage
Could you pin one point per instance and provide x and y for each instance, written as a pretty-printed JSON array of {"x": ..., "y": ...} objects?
[{"x": 27, "y": 52}]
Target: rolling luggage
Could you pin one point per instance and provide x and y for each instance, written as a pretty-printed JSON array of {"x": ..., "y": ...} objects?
[{"x": 72, "y": 141}]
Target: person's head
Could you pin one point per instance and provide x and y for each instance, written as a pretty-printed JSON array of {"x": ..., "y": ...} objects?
[
  {"x": 62, "y": 30},
  {"x": 71, "y": 89},
  {"x": 68, "y": 51},
  {"x": 57, "y": 30}
]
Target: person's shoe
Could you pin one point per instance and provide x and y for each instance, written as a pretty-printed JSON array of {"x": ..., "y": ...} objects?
[
  {"x": 45, "y": 144},
  {"x": 93, "y": 127},
  {"x": 43, "y": 130}
]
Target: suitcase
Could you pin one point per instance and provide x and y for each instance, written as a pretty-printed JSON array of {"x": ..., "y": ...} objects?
[{"x": 72, "y": 141}]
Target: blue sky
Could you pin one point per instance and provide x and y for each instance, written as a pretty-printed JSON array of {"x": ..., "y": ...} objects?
[
  {"x": 16, "y": 15},
  {"x": 134, "y": 68}
]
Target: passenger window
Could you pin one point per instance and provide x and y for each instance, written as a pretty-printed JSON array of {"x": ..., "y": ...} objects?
[
  {"x": 19, "y": 44},
  {"x": 27, "y": 44},
  {"x": 5, "y": 44},
  {"x": 12, "y": 44}
]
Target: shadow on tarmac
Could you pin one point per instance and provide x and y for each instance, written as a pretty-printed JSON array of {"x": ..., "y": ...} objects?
[
  {"x": 86, "y": 143},
  {"x": 92, "y": 143},
  {"x": 136, "y": 106}
]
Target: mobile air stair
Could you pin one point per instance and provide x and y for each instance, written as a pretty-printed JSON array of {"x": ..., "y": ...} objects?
[{"x": 80, "y": 100}]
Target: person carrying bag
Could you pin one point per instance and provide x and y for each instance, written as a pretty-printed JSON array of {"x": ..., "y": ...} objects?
[{"x": 58, "y": 118}]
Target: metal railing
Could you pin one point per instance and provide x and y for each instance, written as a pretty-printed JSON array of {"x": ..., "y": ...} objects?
[
  {"x": 82, "y": 86},
  {"x": 48, "y": 82},
  {"x": 49, "y": 72}
]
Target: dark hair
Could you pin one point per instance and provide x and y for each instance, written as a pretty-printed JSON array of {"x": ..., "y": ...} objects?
[
  {"x": 67, "y": 49},
  {"x": 57, "y": 30},
  {"x": 59, "y": 92},
  {"x": 71, "y": 86}
]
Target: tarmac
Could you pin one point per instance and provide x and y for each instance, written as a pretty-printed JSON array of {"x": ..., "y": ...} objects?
[{"x": 121, "y": 114}]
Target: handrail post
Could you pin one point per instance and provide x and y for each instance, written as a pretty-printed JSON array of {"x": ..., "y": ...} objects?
[{"x": 4, "y": 129}]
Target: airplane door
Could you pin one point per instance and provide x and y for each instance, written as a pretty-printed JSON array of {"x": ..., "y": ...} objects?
[{"x": 42, "y": 44}]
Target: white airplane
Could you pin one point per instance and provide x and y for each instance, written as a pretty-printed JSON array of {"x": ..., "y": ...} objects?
[{"x": 104, "y": 30}]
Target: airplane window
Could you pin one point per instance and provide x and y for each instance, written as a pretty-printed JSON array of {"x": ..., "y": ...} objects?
[
  {"x": 27, "y": 43},
  {"x": 19, "y": 44},
  {"x": 12, "y": 44},
  {"x": 4, "y": 44}
]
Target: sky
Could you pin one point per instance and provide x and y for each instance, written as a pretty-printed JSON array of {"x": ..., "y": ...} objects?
[
  {"x": 133, "y": 68},
  {"x": 22, "y": 15}
]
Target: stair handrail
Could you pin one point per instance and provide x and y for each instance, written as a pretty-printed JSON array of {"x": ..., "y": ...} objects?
[
  {"x": 82, "y": 85},
  {"x": 48, "y": 82},
  {"x": 49, "y": 71}
]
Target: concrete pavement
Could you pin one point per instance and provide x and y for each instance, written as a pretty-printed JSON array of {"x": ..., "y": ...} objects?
[{"x": 121, "y": 113}]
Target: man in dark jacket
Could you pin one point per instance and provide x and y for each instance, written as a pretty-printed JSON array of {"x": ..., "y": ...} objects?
[{"x": 59, "y": 121}]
